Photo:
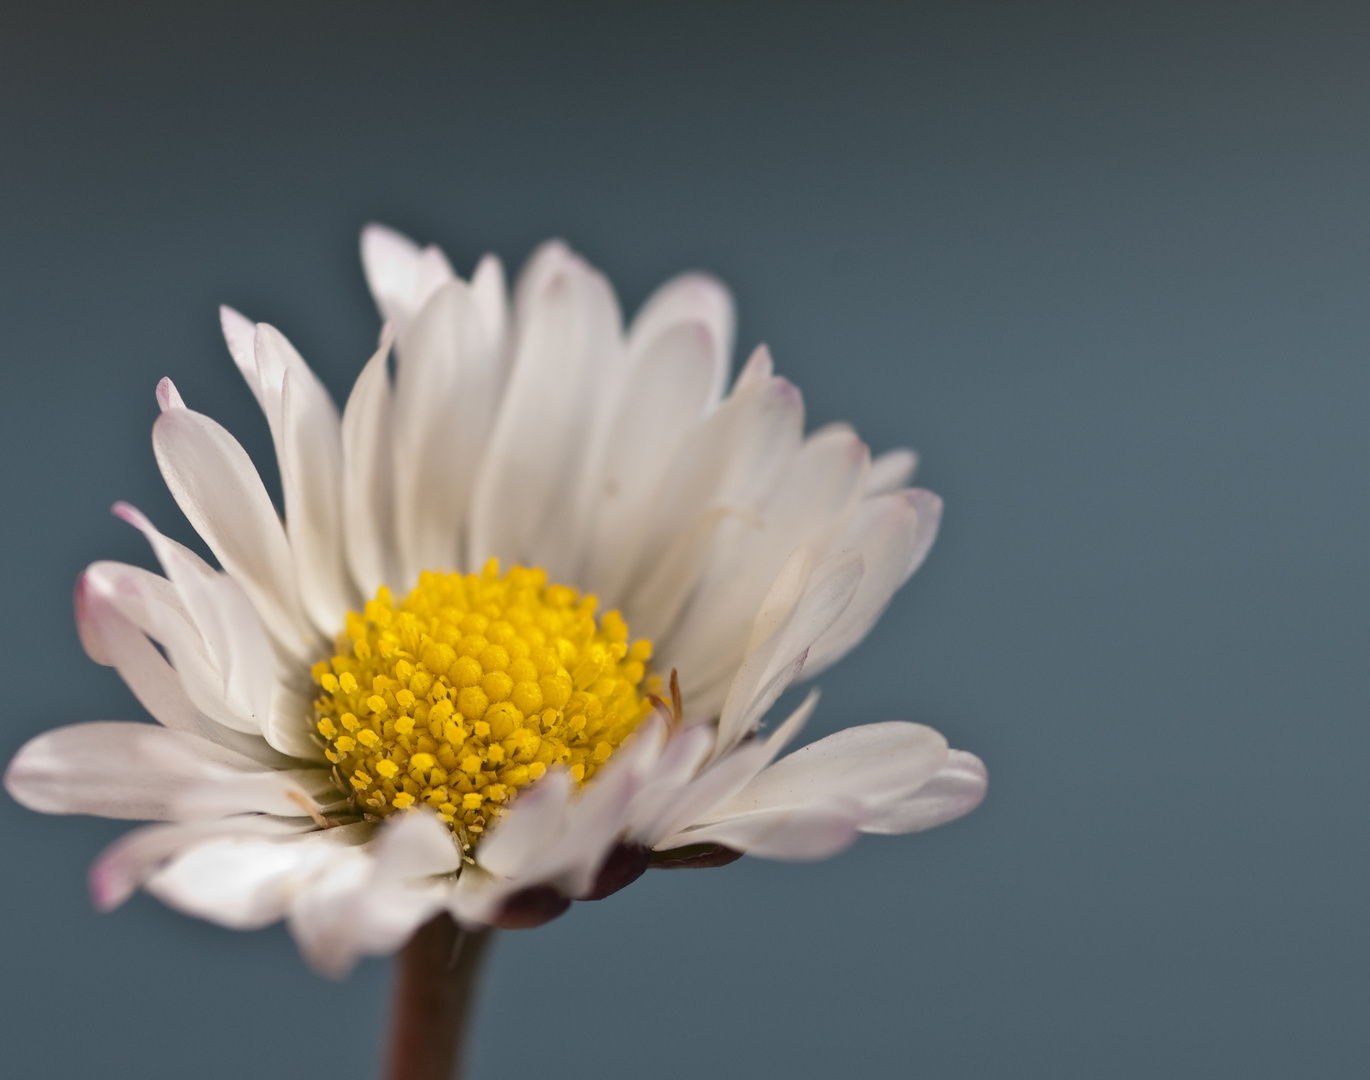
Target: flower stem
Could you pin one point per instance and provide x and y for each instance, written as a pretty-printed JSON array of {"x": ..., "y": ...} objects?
[{"x": 435, "y": 987}]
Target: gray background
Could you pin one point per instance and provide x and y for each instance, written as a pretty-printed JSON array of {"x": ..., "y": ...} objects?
[{"x": 1107, "y": 271}]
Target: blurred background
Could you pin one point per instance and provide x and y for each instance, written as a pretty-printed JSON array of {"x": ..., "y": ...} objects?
[{"x": 1106, "y": 268}]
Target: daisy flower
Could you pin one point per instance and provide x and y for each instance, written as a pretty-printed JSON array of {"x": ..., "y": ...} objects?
[{"x": 515, "y": 636}]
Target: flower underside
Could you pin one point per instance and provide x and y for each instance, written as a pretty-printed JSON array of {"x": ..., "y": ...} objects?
[{"x": 473, "y": 687}]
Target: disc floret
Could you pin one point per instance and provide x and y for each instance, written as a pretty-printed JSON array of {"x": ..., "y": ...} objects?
[{"x": 473, "y": 687}]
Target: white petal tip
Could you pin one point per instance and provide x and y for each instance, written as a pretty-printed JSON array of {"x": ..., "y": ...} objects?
[
  {"x": 168, "y": 397},
  {"x": 108, "y": 888},
  {"x": 233, "y": 321},
  {"x": 130, "y": 514}
]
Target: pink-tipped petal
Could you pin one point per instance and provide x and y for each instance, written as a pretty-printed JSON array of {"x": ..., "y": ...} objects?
[{"x": 168, "y": 397}]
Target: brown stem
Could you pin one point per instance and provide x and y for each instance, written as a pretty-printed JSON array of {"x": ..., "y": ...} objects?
[{"x": 435, "y": 987}]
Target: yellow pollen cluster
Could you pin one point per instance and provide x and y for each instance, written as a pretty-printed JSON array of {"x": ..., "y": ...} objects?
[{"x": 470, "y": 689}]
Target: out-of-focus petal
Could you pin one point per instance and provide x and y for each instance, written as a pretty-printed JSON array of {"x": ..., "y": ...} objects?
[
  {"x": 137, "y": 855},
  {"x": 956, "y": 789},
  {"x": 568, "y": 353},
  {"x": 678, "y": 352},
  {"x": 891, "y": 471},
  {"x": 402, "y": 276},
  {"x": 372, "y": 904},
  {"x": 444, "y": 405}
]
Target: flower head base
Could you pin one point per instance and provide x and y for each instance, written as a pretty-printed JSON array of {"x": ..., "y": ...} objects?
[{"x": 470, "y": 689}]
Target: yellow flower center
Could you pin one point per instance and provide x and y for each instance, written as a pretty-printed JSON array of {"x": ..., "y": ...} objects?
[{"x": 472, "y": 688}]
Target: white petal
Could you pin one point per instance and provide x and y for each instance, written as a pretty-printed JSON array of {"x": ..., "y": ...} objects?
[
  {"x": 678, "y": 352},
  {"x": 245, "y": 882},
  {"x": 929, "y": 510},
  {"x": 323, "y": 912},
  {"x": 491, "y": 301},
  {"x": 568, "y": 352},
  {"x": 401, "y": 276},
  {"x": 731, "y": 460},
  {"x": 659, "y": 597},
  {"x": 137, "y": 855},
  {"x": 445, "y": 396},
  {"x": 289, "y": 724},
  {"x": 240, "y": 334},
  {"x": 154, "y": 606},
  {"x": 113, "y": 640},
  {"x": 550, "y": 839},
  {"x": 115, "y": 607},
  {"x": 599, "y": 818},
  {"x": 168, "y": 397},
  {"x": 414, "y": 845},
  {"x": 340, "y": 916},
  {"x": 532, "y": 824},
  {"x": 721, "y": 780},
  {"x": 308, "y": 435},
  {"x": 372, "y": 905},
  {"x": 782, "y": 598},
  {"x": 792, "y": 725},
  {"x": 766, "y": 672},
  {"x": 142, "y": 771},
  {"x": 219, "y": 491},
  {"x": 690, "y": 300},
  {"x": 891, "y": 471},
  {"x": 679, "y": 762},
  {"x": 227, "y": 625},
  {"x": 892, "y": 533},
  {"x": 808, "y": 832},
  {"x": 714, "y": 785},
  {"x": 871, "y": 763},
  {"x": 813, "y": 500},
  {"x": 957, "y": 789},
  {"x": 368, "y": 468}
]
